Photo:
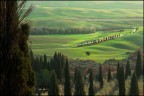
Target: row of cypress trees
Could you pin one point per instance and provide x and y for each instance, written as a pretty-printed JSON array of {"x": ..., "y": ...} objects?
[
  {"x": 79, "y": 83},
  {"x": 121, "y": 76}
]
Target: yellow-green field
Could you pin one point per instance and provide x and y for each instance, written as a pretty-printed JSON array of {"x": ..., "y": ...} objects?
[{"x": 116, "y": 48}]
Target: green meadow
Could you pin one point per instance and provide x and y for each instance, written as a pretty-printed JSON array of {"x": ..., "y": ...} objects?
[
  {"x": 116, "y": 48},
  {"x": 65, "y": 14},
  {"x": 101, "y": 15}
]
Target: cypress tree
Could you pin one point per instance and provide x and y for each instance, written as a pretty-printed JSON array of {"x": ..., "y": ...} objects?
[
  {"x": 138, "y": 68},
  {"x": 45, "y": 61},
  {"x": 75, "y": 74},
  {"x": 79, "y": 84},
  {"x": 56, "y": 64},
  {"x": 100, "y": 76},
  {"x": 31, "y": 57},
  {"x": 109, "y": 75},
  {"x": 27, "y": 66},
  {"x": 121, "y": 81},
  {"x": 67, "y": 84},
  {"x": 118, "y": 68},
  {"x": 54, "y": 89},
  {"x": 91, "y": 89},
  {"x": 128, "y": 70},
  {"x": 17, "y": 78},
  {"x": 134, "y": 90}
]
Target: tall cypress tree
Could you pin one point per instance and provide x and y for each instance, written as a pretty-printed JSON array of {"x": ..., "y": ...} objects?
[
  {"x": 128, "y": 70},
  {"x": 17, "y": 78},
  {"x": 31, "y": 57},
  {"x": 54, "y": 89},
  {"x": 45, "y": 61},
  {"x": 118, "y": 68},
  {"x": 121, "y": 81},
  {"x": 91, "y": 89},
  {"x": 79, "y": 84},
  {"x": 75, "y": 74},
  {"x": 67, "y": 84},
  {"x": 100, "y": 76},
  {"x": 29, "y": 74},
  {"x": 109, "y": 75},
  {"x": 134, "y": 90},
  {"x": 138, "y": 68}
]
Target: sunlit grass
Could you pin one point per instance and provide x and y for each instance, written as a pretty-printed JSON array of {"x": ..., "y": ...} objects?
[{"x": 48, "y": 44}]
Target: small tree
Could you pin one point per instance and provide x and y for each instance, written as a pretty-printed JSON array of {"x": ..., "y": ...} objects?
[
  {"x": 87, "y": 53},
  {"x": 138, "y": 68},
  {"x": 91, "y": 89},
  {"x": 109, "y": 75},
  {"x": 100, "y": 77},
  {"x": 128, "y": 70},
  {"x": 134, "y": 90}
]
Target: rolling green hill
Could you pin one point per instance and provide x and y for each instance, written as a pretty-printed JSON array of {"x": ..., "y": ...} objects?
[
  {"x": 63, "y": 14},
  {"x": 101, "y": 15},
  {"x": 66, "y": 44}
]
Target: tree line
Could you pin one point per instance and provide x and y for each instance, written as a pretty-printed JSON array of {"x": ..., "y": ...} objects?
[
  {"x": 71, "y": 30},
  {"x": 92, "y": 42},
  {"x": 60, "y": 75}
]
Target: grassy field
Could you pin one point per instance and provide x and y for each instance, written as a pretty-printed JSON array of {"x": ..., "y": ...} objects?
[
  {"x": 117, "y": 48},
  {"x": 64, "y": 14}
]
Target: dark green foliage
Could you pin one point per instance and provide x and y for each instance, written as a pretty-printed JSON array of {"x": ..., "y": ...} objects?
[
  {"x": 57, "y": 63},
  {"x": 72, "y": 30},
  {"x": 44, "y": 78},
  {"x": 91, "y": 89},
  {"x": 42, "y": 68},
  {"x": 79, "y": 84},
  {"x": 128, "y": 70},
  {"x": 45, "y": 61},
  {"x": 54, "y": 90},
  {"x": 109, "y": 78},
  {"x": 138, "y": 67},
  {"x": 121, "y": 81},
  {"x": 67, "y": 84},
  {"x": 75, "y": 74},
  {"x": 100, "y": 77},
  {"x": 87, "y": 53},
  {"x": 17, "y": 77},
  {"x": 134, "y": 90},
  {"x": 118, "y": 68},
  {"x": 31, "y": 57}
]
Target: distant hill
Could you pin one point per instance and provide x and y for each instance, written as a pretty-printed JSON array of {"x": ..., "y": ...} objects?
[
  {"x": 65, "y": 14},
  {"x": 90, "y": 4}
]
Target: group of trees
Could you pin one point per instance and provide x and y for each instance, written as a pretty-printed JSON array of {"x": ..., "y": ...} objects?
[
  {"x": 60, "y": 75},
  {"x": 42, "y": 66},
  {"x": 17, "y": 77},
  {"x": 71, "y": 30},
  {"x": 122, "y": 76},
  {"x": 50, "y": 74},
  {"x": 91, "y": 42}
]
